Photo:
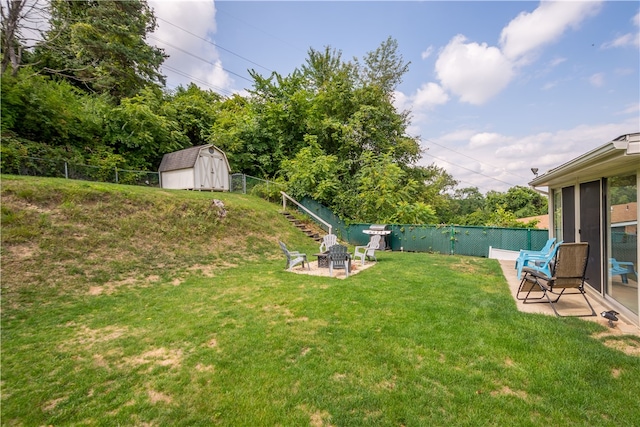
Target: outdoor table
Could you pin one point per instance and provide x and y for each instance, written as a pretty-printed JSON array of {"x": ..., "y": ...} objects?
[{"x": 323, "y": 259}]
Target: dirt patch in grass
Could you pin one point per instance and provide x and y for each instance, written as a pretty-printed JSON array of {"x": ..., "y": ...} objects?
[
  {"x": 158, "y": 397},
  {"x": 629, "y": 345},
  {"x": 156, "y": 357},
  {"x": 87, "y": 337},
  {"x": 52, "y": 404},
  {"x": 508, "y": 391},
  {"x": 317, "y": 418}
]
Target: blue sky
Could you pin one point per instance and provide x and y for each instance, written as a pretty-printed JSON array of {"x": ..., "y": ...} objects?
[{"x": 495, "y": 88}]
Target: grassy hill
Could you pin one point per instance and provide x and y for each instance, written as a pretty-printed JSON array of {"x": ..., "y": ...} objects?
[
  {"x": 140, "y": 306},
  {"x": 63, "y": 236}
]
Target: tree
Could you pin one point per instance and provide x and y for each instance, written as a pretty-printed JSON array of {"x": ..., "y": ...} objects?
[
  {"x": 195, "y": 110},
  {"x": 313, "y": 173},
  {"x": 383, "y": 192},
  {"x": 384, "y": 67},
  {"x": 141, "y": 130},
  {"x": 100, "y": 46},
  {"x": 22, "y": 23},
  {"x": 522, "y": 201}
]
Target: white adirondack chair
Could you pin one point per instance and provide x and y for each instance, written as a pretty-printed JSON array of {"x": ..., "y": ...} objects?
[
  {"x": 368, "y": 251},
  {"x": 328, "y": 241}
]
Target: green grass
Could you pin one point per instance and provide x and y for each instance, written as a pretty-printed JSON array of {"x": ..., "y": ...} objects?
[{"x": 133, "y": 306}]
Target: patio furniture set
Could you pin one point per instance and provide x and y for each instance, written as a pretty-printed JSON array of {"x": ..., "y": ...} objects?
[{"x": 333, "y": 255}]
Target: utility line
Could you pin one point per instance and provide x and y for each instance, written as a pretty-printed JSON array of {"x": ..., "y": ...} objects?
[
  {"x": 472, "y": 158},
  {"x": 214, "y": 44},
  {"x": 183, "y": 74},
  {"x": 200, "y": 58},
  {"x": 219, "y": 9},
  {"x": 470, "y": 170}
]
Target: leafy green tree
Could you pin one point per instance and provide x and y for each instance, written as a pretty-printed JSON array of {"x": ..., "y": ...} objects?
[
  {"x": 195, "y": 110},
  {"x": 100, "y": 46},
  {"x": 504, "y": 218},
  {"x": 522, "y": 201},
  {"x": 383, "y": 192},
  {"x": 140, "y": 130},
  {"x": 312, "y": 173},
  {"x": 384, "y": 67},
  {"x": 51, "y": 112},
  {"x": 237, "y": 130}
]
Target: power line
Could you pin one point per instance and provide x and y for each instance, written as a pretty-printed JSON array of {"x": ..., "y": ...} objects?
[
  {"x": 472, "y": 158},
  {"x": 214, "y": 44},
  {"x": 470, "y": 170},
  {"x": 219, "y": 9},
  {"x": 182, "y": 73},
  {"x": 200, "y": 58}
]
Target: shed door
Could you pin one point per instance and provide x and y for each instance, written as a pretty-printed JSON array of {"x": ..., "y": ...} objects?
[
  {"x": 207, "y": 170},
  {"x": 213, "y": 170},
  {"x": 219, "y": 168},
  {"x": 590, "y": 220}
]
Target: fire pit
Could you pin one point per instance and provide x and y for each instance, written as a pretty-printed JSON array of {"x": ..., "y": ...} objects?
[{"x": 323, "y": 259}]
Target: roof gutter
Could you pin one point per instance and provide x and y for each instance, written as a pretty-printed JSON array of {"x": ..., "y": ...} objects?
[{"x": 628, "y": 142}]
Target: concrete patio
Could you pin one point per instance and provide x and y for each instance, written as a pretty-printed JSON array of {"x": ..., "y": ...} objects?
[{"x": 567, "y": 305}]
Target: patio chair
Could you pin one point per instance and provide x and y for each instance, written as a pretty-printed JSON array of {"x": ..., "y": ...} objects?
[
  {"x": 525, "y": 256},
  {"x": 328, "y": 241},
  {"x": 368, "y": 251},
  {"x": 568, "y": 272},
  {"x": 339, "y": 258},
  {"x": 294, "y": 257},
  {"x": 622, "y": 268}
]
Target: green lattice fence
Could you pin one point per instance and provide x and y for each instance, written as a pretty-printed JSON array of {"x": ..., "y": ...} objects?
[{"x": 449, "y": 239}]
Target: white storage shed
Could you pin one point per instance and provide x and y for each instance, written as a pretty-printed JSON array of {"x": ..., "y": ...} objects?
[{"x": 204, "y": 167}]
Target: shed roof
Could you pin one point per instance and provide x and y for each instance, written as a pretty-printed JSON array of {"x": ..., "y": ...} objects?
[{"x": 184, "y": 159}]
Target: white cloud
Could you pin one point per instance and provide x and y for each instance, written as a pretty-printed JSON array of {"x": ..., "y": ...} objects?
[
  {"x": 597, "y": 80},
  {"x": 631, "y": 109},
  {"x": 629, "y": 39},
  {"x": 485, "y": 139},
  {"x": 557, "y": 61},
  {"x": 184, "y": 28},
  {"x": 427, "y": 53},
  {"x": 530, "y": 31},
  {"x": 495, "y": 161},
  {"x": 475, "y": 72},
  {"x": 460, "y": 135},
  {"x": 430, "y": 95}
]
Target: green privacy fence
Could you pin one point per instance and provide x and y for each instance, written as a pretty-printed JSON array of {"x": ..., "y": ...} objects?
[{"x": 446, "y": 239}]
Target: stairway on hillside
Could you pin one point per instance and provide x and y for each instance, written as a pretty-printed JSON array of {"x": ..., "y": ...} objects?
[{"x": 305, "y": 228}]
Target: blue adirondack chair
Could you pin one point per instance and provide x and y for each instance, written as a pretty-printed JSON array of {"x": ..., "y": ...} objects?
[
  {"x": 526, "y": 257},
  {"x": 541, "y": 267},
  {"x": 622, "y": 268}
]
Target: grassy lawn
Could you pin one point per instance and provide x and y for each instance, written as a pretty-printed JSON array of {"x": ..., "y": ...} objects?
[{"x": 133, "y": 306}]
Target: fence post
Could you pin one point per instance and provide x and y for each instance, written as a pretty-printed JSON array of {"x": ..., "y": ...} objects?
[
  {"x": 528, "y": 238},
  {"x": 244, "y": 183},
  {"x": 116, "y": 168},
  {"x": 66, "y": 171},
  {"x": 453, "y": 240}
]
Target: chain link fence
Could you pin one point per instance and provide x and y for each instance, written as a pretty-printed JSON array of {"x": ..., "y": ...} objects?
[
  {"x": 449, "y": 239},
  {"x": 246, "y": 184},
  {"x": 35, "y": 166}
]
